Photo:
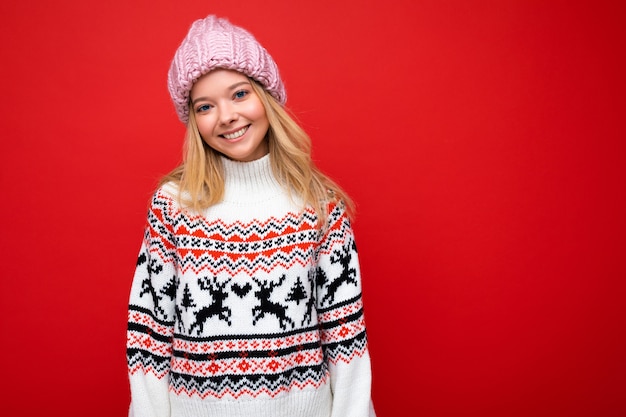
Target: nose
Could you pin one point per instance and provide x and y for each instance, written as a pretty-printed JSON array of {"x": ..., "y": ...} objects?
[{"x": 228, "y": 113}]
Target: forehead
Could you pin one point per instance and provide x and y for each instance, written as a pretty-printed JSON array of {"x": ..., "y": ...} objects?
[{"x": 217, "y": 82}]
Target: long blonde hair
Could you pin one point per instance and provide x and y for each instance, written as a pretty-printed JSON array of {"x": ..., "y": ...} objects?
[{"x": 200, "y": 177}]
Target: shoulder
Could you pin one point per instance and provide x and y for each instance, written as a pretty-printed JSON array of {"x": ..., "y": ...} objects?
[
  {"x": 335, "y": 204},
  {"x": 166, "y": 192},
  {"x": 337, "y": 216},
  {"x": 165, "y": 200},
  {"x": 337, "y": 201}
]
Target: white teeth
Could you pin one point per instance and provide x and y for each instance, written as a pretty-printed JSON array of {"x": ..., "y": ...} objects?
[{"x": 236, "y": 134}]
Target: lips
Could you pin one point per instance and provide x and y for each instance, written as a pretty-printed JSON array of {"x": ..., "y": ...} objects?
[{"x": 236, "y": 134}]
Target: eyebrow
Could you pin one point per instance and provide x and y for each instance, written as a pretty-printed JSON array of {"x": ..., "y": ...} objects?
[{"x": 230, "y": 88}]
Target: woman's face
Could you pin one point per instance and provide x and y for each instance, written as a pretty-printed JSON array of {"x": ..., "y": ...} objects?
[{"x": 230, "y": 116}]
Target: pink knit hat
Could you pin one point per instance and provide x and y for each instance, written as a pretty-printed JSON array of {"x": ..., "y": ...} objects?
[{"x": 213, "y": 43}]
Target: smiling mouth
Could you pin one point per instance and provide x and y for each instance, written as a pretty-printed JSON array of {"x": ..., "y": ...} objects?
[{"x": 236, "y": 134}]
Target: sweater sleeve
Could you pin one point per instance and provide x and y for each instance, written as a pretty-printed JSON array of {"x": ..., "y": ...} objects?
[
  {"x": 340, "y": 309},
  {"x": 151, "y": 314}
]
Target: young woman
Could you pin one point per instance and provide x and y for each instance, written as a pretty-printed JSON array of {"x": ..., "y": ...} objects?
[{"x": 246, "y": 300}]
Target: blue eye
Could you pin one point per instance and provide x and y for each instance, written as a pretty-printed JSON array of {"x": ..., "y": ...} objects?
[
  {"x": 241, "y": 94},
  {"x": 203, "y": 108}
]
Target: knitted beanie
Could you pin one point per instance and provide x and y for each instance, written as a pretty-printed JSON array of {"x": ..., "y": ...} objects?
[{"x": 213, "y": 43}]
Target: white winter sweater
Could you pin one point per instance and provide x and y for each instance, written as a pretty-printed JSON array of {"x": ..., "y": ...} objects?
[{"x": 248, "y": 310}]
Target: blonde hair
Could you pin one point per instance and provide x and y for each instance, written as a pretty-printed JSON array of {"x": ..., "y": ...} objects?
[{"x": 200, "y": 177}]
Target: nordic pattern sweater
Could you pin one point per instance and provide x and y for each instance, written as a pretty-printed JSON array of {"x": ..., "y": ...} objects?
[{"x": 248, "y": 310}]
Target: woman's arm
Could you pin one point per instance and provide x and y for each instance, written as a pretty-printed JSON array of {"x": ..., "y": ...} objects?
[
  {"x": 340, "y": 310},
  {"x": 151, "y": 315}
]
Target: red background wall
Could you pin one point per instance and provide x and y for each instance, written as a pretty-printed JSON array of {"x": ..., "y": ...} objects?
[{"x": 482, "y": 140}]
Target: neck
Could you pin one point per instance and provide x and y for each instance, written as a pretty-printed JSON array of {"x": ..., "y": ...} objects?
[{"x": 249, "y": 181}]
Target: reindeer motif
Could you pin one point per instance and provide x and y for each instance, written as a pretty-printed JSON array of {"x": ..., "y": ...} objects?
[
  {"x": 348, "y": 275},
  {"x": 216, "y": 308},
  {"x": 146, "y": 284},
  {"x": 179, "y": 318},
  {"x": 266, "y": 306},
  {"x": 310, "y": 304}
]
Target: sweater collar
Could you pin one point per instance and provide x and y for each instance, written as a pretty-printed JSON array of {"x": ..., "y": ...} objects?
[{"x": 249, "y": 181}]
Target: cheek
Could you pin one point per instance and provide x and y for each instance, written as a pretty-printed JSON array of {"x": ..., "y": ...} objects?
[
  {"x": 205, "y": 125},
  {"x": 257, "y": 111}
]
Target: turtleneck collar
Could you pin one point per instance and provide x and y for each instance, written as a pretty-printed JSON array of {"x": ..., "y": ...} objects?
[{"x": 249, "y": 181}]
